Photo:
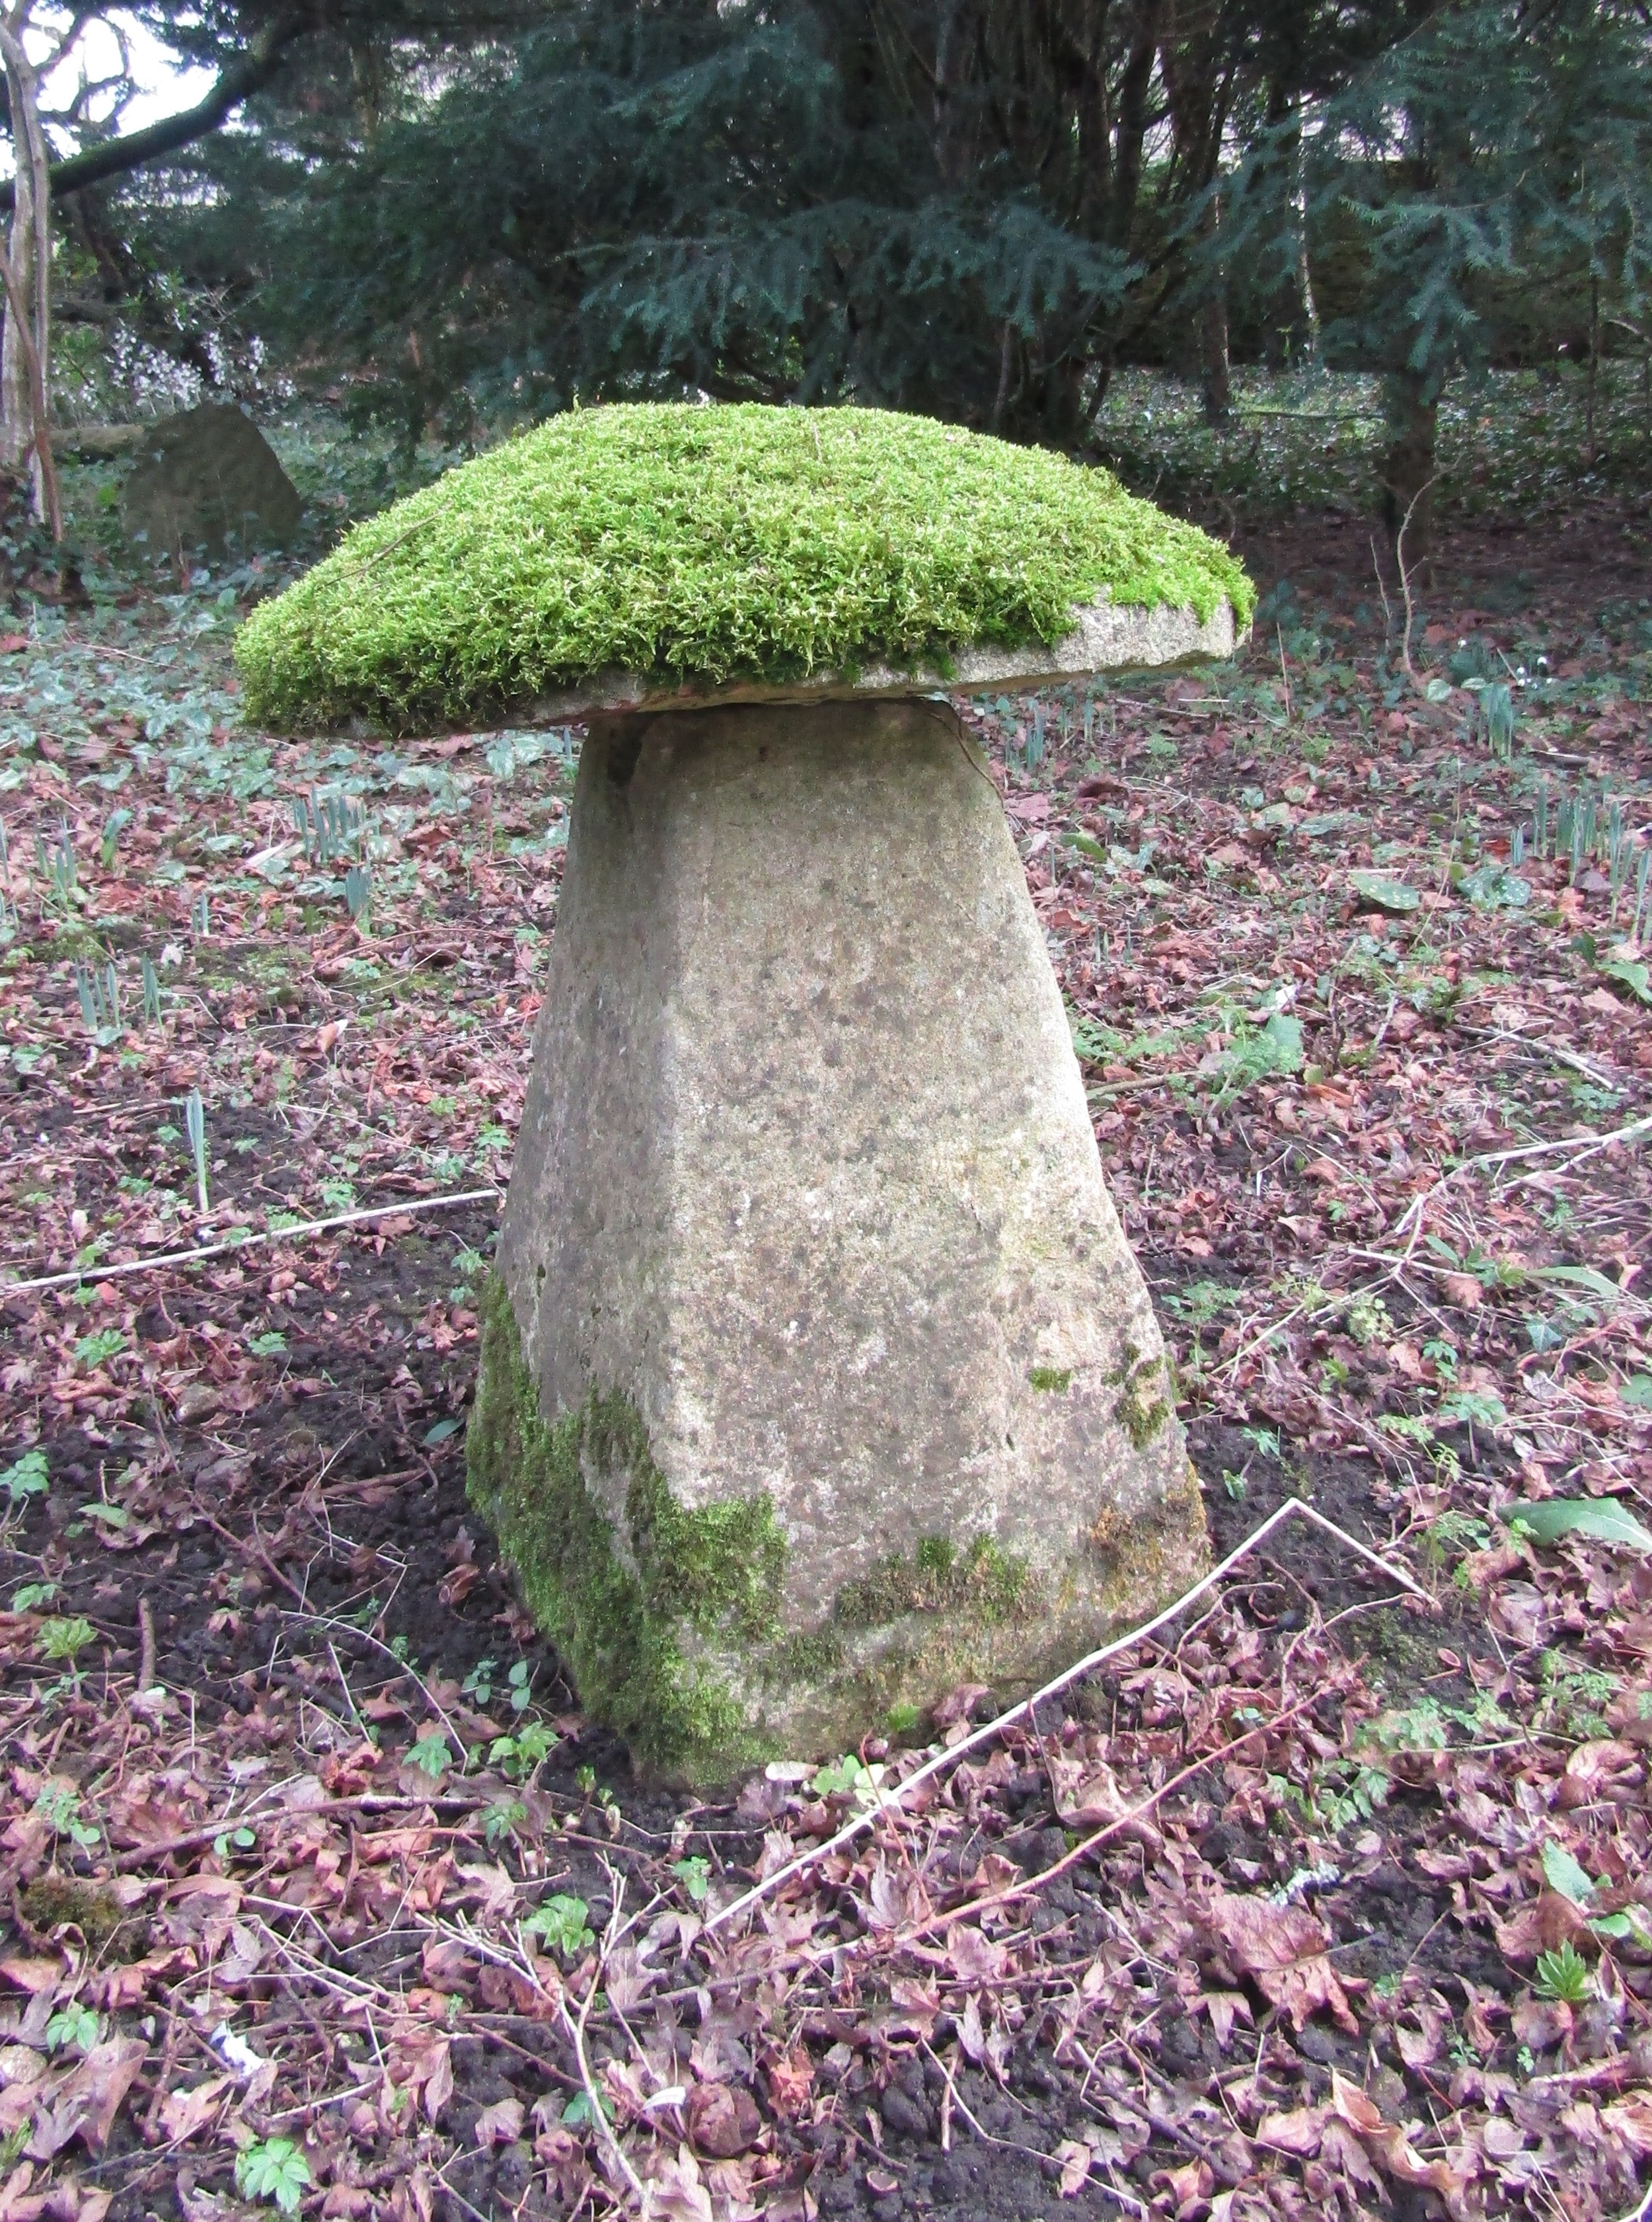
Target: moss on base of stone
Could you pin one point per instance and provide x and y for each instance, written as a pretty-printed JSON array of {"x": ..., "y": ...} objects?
[
  {"x": 980, "y": 1583},
  {"x": 1140, "y": 1411},
  {"x": 634, "y": 1637},
  {"x": 670, "y": 1619}
]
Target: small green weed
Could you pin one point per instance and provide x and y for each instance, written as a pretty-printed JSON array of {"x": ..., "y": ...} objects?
[
  {"x": 25, "y": 1478},
  {"x": 849, "y": 1776},
  {"x": 431, "y": 1755},
  {"x": 1563, "y": 1974},
  {"x": 64, "y": 1639},
  {"x": 76, "y": 2027},
  {"x": 516, "y": 1755},
  {"x": 93, "y": 1349},
  {"x": 504, "y": 1817},
  {"x": 562, "y": 1923},
  {"x": 59, "y": 1808},
  {"x": 695, "y": 1876},
  {"x": 274, "y": 2169}
]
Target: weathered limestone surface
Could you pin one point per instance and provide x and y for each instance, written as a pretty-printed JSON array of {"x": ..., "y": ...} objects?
[
  {"x": 847, "y": 1385},
  {"x": 209, "y": 478},
  {"x": 1106, "y": 637}
]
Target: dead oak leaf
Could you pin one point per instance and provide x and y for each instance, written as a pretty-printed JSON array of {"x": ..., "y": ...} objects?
[{"x": 1283, "y": 1949}]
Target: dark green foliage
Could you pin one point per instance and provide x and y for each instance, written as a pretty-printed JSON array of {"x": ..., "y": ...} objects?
[
  {"x": 1491, "y": 158},
  {"x": 466, "y": 215}
]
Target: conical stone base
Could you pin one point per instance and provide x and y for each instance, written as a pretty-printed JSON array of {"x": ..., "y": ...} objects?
[{"x": 817, "y": 1376}]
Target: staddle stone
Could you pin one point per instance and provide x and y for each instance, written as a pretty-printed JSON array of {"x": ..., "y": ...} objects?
[
  {"x": 208, "y": 478},
  {"x": 817, "y": 1375}
]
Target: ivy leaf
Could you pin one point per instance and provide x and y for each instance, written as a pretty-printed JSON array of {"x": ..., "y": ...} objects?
[{"x": 1603, "y": 1519}]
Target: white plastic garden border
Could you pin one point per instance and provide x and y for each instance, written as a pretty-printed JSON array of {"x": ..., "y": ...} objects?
[{"x": 249, "y": 1241}]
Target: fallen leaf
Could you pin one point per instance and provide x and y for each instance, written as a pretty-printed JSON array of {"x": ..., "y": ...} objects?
[
  {"x": 15, "y": 2206},
  {"x": 1088, "y": 1796},
  {"x": 975, "y": 1958},
  {"x": 447, "y": 1965},
  {"x": 1282, "y": 1948},
  {"x": 1542, "y": 1924},
  {"x": 790, "y": 2081},
  {"x": 85, "y": 2104},
  {"x": 1074, "y": 2160},
  {"x": 1225, "y": 2008},
  {"x": 1298, "y": 2132},
  {"x": 1630, "y": 2119},
  {"x": 1388, "y": 2145},
  {"x": 1541, "y": 2023},
  {"x": 34, "y": 1976},
  {"x": 184, "y": 2114},
  {"x": 346, "y": 2202},
  {"x": 723, "y": 2119},
  {"x": 499, "y": 2123},
  {"x": 677, "y": 2193},
  {"x": 958, "y": 1704},
  {"x": 438, "y": 2081}
]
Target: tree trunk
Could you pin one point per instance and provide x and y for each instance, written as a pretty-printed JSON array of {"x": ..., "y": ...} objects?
[
  {"x": 1412, "y": 406},
  {"x": 25, "y": 352},
  {"x": 1213, "y": 332}
]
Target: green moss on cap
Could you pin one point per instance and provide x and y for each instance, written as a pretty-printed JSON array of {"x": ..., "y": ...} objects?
[{"x": 701, "y": 544}]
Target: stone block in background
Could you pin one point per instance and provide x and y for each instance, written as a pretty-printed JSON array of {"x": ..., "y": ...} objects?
[{"x": 208, "y": 478}]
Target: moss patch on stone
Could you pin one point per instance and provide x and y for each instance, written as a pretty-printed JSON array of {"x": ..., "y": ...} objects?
[
  {"x": 639, "y": 1639},
  {"x": 980, "y": 1584},
  {"x": 1052, "y": 1380},
  {"x": 1143, "y": 1405},
  {"x": 701, "y": 543},
  {"x": 670, "y": 1619}
]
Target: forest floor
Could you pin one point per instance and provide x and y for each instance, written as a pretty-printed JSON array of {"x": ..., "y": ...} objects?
[{"x": 1329, "y": 1899}]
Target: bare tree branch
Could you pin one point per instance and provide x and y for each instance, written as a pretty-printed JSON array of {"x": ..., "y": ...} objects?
[{"x": 238, "y": 81}]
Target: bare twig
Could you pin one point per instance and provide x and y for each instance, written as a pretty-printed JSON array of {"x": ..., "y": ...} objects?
[
  {"x": 1405, "y": 588},
  {"x": 147, "y": 1646},
  {"x": 1032, "y": 1885},
  {"x": 1566, "y": 1057},
  {"x": 1387, "y": 606},
  {"x": 574, "y": 2029}
]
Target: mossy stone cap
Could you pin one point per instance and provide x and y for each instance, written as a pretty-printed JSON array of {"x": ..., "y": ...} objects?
[{"x": 702, "y": 547}]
